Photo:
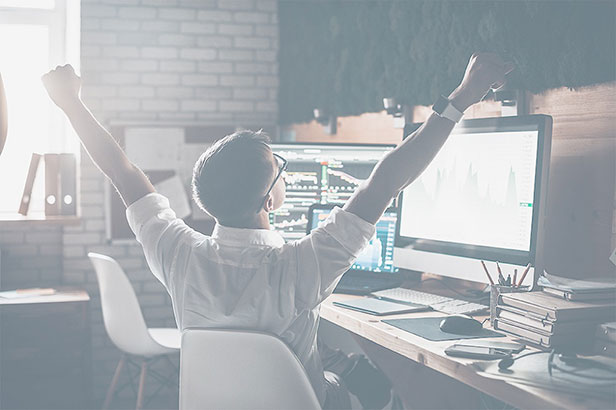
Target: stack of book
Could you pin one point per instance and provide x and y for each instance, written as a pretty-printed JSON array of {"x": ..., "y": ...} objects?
[
  {"x": 605, "y": 339},
  {"x": 565, "y": 314}
]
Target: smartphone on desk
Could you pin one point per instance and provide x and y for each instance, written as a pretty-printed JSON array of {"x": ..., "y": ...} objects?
[{"x": 477, "y": 352}]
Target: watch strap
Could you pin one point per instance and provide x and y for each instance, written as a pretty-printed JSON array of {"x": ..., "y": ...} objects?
[{"x": 445, "y": 109}]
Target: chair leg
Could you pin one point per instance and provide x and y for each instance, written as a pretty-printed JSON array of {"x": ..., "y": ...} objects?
[
  {"x": 144, "y": 370},
  {"x": 114, "y": 382}
]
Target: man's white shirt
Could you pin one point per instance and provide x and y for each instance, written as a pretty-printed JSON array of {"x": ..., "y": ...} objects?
[{"x": 250, "y": 278}]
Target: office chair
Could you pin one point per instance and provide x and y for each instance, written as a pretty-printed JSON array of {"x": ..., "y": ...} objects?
[
  {"x": 233, "y": 369},
  {"x": 124, "y": 323}
]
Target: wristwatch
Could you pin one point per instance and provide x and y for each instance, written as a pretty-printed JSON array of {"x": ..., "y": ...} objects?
[{"x": 445, "y": 109}]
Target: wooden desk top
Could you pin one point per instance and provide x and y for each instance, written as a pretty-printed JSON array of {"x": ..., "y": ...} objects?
[
  {"x": 432, "y": 355},
  {"x": 60, "y": 296}
]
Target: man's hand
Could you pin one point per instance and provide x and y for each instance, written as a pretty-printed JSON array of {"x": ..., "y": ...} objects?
[
  {"x": 484, "y": 71},
  {"x": 402, "y": 166},
  {"x": 63, "y": 86}
]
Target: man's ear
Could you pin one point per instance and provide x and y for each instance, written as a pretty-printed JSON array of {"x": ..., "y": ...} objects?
[{"x": 269, "y": 203}]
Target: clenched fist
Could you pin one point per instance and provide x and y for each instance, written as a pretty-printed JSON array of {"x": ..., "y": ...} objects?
[
  {"x": 63, "y": 86},
  {"x": 484, "y": 71}
]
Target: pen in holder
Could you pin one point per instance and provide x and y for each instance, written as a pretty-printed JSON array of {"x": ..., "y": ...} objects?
[{"x": 496, "y": 291}]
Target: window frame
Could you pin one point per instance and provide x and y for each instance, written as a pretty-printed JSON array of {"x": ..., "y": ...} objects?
[{"x": 63, "y": 22}]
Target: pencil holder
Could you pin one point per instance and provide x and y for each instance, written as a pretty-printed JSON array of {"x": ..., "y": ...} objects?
[{"x": 496, "y": 291}]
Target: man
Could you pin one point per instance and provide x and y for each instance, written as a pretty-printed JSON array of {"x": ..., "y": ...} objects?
[{"x": 244, "y": 275}]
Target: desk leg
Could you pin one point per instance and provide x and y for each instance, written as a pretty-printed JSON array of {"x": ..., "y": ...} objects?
[{"x": 418, "y": 386}]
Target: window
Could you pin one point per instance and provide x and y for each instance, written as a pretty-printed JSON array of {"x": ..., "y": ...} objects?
[{"x": 35, "y": 36}]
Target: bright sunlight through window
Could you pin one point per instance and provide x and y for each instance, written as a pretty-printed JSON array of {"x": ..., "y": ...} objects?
[{"x": 35, "y": 36}]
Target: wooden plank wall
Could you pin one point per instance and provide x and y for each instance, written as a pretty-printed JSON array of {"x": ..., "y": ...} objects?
[{"x": 581, "y": 215}]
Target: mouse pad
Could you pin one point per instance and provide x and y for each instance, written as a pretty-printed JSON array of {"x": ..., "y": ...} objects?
[{"x": 428, "y": 328}]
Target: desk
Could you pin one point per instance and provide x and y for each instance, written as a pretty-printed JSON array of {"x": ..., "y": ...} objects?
[
  {"x": 432, "y": 355},
  {"x": 45, "y": 352}
]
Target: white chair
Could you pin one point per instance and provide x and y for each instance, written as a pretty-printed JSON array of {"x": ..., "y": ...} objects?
[
  {"x": 232, "y": 369},
  {"x": 126, "y": 327}
]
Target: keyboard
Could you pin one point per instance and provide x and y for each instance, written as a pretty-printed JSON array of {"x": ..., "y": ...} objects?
[
  {"x": 364, "y": 285},
  {"x": 439, "y": 303}
]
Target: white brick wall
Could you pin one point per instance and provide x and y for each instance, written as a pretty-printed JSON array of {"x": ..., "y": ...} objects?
[{"x": 211, "y": 61}]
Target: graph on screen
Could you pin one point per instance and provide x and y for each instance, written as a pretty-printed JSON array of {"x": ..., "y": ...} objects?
[
  {"x": 322, "y": 174},
  {"x": 479, "y": 191},
  {"x": 377, "y": 256}
]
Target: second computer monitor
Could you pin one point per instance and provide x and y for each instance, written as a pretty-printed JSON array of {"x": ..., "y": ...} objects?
[
  {"x": 481, "y": 198},
  {"x": 378, "y": 255},
  {"x": 320, "y": 173}
]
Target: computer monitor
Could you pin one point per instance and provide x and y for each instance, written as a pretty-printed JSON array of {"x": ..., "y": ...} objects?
[
  {"x": 378, "y": 256},
  {"x": 320, "y": 173},
  {"x": 482, "y": 198}
]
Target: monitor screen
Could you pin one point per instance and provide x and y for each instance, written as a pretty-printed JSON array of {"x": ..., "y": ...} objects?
[
  {"x": 480, "y": 196},
  {"x": 378, "y": 256},
  {"x": 479, "y": 190},
  {"x": 323, "y": 174}
]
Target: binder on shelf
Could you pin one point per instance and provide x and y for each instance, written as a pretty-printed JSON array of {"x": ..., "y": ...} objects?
[
  {"x": 552, "y": 308},
  {"x": 68, "y": 184},
  {"x": 52, "y": 184},
  {"x": 26, "y": 197}
]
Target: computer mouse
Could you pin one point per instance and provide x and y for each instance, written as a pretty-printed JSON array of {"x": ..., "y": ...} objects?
[{"x": 460, "y": 325}]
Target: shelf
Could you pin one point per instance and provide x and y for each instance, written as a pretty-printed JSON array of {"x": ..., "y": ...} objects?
[{"x": 40, "y": 218}]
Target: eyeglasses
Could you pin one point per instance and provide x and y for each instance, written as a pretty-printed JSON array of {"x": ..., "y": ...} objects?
[{"x": 282, "y": 166}]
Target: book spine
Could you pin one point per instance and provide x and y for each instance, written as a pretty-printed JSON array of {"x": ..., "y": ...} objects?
[
  {"x": 604, "y": 348},
  {"x": 68, "y": 184},
  {"x": 582, "y": 340},
  {"x": 605, "y": 333},
  {"x": 537, "y": 310},
  {"x": 26, "y": 197},
  {"x": 544, "y": 326},
  {"x": 536, "y": 339},
  {"x": 52, "y": 185}
]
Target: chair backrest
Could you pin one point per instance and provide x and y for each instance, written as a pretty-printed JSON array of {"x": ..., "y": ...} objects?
[
  {"x": 121, "y": 311},
  {"x": 232, "y": 369}
]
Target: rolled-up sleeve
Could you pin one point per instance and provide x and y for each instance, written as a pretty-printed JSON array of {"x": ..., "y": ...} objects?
[
  {"x": 163, "y": 236},
  {"x": 328, "y": 252}
]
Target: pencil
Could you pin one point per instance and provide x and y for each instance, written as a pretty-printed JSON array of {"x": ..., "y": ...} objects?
[
  {"x": 501, "y": 278},
  {"x": 515, "y": 277},
  {"x": 487, "y": 273},
  {"x": 524, "y": 274}
]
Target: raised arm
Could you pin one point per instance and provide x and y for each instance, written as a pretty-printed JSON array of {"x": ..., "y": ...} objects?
[
  {"x": 404, "y": 164},
  {"x": 63, "y": 87},
  {"x": 4, "y": 120}
]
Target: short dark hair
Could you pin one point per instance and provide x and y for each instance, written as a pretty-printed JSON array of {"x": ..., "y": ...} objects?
[{"x": 231, "y": 177}]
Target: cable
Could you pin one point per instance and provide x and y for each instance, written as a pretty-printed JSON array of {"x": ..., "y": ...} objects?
[
  {"x": 507, "y": 362},
  {"x": 573, "y": 360}
]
